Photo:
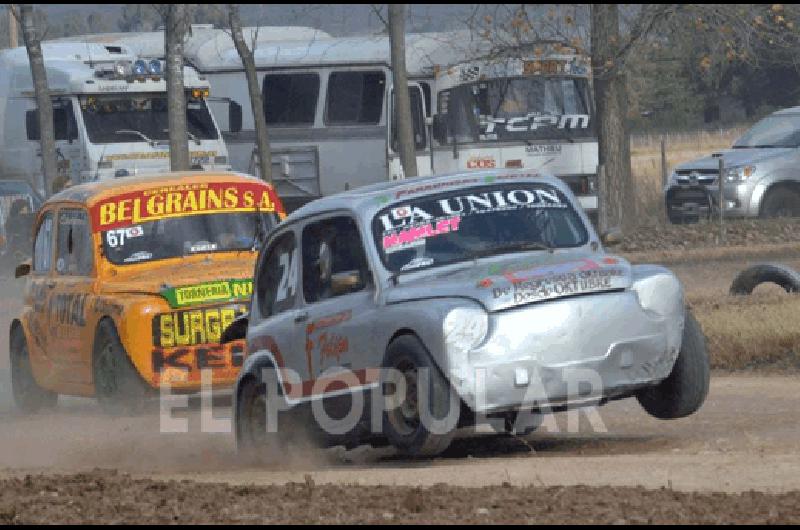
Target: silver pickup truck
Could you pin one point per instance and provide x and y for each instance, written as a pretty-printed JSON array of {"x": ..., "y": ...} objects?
[{"x": 762, "y": 175}]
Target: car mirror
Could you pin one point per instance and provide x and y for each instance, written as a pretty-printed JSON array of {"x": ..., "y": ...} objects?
[
  {"x": 612, "y": 237},
  {"x": 345, "y": 282},
  {"x": 236, "y": 331},
  {"x": 23, "y": 269}
]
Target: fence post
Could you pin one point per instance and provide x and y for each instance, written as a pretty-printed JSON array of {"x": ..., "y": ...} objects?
[
  {"x": 721, "y": 186},
  {"x": 602, "y": 210}
]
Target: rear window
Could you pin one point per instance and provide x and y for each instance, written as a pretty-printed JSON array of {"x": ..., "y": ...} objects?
[
  {"x": 290, "y": 99},
  {"x": 355, "y": 98}
]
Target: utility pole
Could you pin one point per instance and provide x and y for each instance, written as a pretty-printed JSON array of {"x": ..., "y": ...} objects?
[
  {"x": 175, "y": 35},
  {"x": 397, "y": 37}
]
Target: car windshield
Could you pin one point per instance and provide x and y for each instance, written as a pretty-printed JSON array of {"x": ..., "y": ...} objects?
[
  {"x": 140, "y": 118},
  {"x": 182, "y": 236},
  {"x": 519, "y": 108},
  {"x": 773, "y": 131},
  {"x": 476, "y": 222}
]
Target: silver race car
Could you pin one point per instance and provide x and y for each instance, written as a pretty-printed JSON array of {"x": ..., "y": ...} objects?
[{"x": 406, "y": 311}]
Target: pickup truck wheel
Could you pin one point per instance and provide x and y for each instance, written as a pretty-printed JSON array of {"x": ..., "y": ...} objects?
[
  {"x": 29, "y": 397},
  {"x": 685, "y": 389},
  {"x": 253, "y": 441},
  {"x": 780, "y": 201},
  {"x": 118, "y": 386},
  {"x": 402, "y": 423}
]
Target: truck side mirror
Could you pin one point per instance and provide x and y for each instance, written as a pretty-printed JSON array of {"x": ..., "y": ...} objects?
[
  {"x": 32, "y": 124},
  {"x": 234, "y": 117}
]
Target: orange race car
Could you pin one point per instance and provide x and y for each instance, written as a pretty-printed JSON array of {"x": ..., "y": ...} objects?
[{"x": 131, "y": 284}]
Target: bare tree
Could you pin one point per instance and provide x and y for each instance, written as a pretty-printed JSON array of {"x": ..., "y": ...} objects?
[
  {"x": 617, "y": 205},
  {"x": 256, "y": 101},
  {"x": 25, "y": 15},
  {"x": 405, "y": 132},
  {"x": 174, "y": 38}
]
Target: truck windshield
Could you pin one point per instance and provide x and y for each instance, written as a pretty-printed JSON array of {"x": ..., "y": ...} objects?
[
  {"x": 518, "y": 109},
  {"x": 773, "y": 131},
  {"x": 114, "y": 118},
  {"x": 476, "y": 222},
  {"x": 182, "y": 236}
]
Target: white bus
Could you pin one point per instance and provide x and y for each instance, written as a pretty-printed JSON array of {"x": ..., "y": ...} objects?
[{"x": 329, "y": 107}]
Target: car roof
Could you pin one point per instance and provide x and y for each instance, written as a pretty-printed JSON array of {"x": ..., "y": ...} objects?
[
  {"x": 370, "y": 199},
  {"x": 91, "y": 193}
]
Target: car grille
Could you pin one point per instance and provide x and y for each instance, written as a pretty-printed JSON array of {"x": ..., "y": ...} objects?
[{"x": 704, "y": 176}]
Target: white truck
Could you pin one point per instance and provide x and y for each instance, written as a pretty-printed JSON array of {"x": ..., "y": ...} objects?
[
  {"x": 329, "y": 106},
  {"x": 109, "y": 112}
]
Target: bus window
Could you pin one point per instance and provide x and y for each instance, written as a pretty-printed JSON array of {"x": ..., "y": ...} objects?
[
  {"x": 417, "y": 121},
  {"x": 290, "y": 99},
  {"x": 355, "y": 98}
]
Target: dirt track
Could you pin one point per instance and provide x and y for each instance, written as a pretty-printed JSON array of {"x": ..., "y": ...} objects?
[{"x": 747, "y": 437}]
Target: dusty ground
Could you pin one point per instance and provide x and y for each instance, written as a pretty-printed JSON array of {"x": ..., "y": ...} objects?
[{"x": 77, "y": 465}]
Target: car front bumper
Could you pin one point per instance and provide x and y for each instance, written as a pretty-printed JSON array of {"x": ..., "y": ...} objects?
[
  {"x": 698, "y": 201},
  {"x": 552, "y": 355}
]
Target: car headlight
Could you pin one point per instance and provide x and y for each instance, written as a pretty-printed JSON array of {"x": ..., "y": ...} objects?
[
  {"x": 739, "y": 173},
  {"x": 464, "y": 329}
]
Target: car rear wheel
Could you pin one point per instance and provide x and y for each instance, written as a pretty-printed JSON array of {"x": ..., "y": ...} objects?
[
  {"x": 29, "y": 397},
  {"x": 426, "y": 391},
  {"x": 780, "y": 201},
  {"x": 685, "y": 389},
  {"x": 118, "y": 386},
  {"x": 255, "y": 441}
]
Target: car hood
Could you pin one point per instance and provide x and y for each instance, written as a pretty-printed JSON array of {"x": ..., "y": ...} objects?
[
  {"x": 159, "y": 277},
  {"x": 736, "y": 157},
  {"x": 510, "y": 282}
]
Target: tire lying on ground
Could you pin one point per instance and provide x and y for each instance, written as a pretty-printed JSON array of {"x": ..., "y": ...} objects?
[
  {"x": 685, "y": 389},
  {"x": 750, "y": 278}
]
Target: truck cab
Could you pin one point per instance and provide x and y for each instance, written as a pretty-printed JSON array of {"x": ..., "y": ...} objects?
[{"x": 109, "y": 113}]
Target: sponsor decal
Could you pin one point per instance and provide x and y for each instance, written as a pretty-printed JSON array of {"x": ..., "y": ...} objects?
[
  {"x": 194, "y": 326},
  {"x": 165, "y": 202},
  {"x": 415, "y": 235},
  {"x": 67, "y": 309},
  {"x": 329, "y": 344},
  {"x": 481, "y": 162},
  {"x": 184, "y": 364},
  {"x": 209, "y": 292},
  {"x": 543, "y": 149},
  {"x": 530, "y": 122}
]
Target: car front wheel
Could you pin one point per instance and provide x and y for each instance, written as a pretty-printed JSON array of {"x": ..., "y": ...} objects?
[
  {"x": 685, "y": 389},
  {"x": 409, "y": 418}
]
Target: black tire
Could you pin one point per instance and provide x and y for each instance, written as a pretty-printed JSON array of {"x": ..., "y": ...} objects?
[
  {"x": 119, "y": 388},
  {"x": 686, "y": 388},
  {"x": 29, "y": 397},
  {"x": 253, "y": 442},
  {"x": 402, "y": 424},
  {"x": 780, "y": 201},
  {"x": 750, "y": 278}
]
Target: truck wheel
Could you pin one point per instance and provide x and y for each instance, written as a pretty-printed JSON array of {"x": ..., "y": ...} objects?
[
  {"x": 780, "y": 201},
  {"x": 118, "y": 386},
  {"x": 403, "y": 424},
  {"x": 29, "y": 397},
  {"x": 253, "y": 441},
  {"x": 686, "y": 388}
]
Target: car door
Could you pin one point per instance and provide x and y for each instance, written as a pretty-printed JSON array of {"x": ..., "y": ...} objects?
[
  {"x": 37, "y": 297},
  {"x": 273, "y": 313},
  {"x": 338, "y": 307},
  {"x": 71, "y": 294}
]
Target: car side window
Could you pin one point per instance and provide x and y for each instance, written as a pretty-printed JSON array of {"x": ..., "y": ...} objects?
[
  {"x": 276, "y": 285},
  {"x": 74, "y": 252},
  {"x": 334, "y": 262},
  {"x": 43, "y": 246}
]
